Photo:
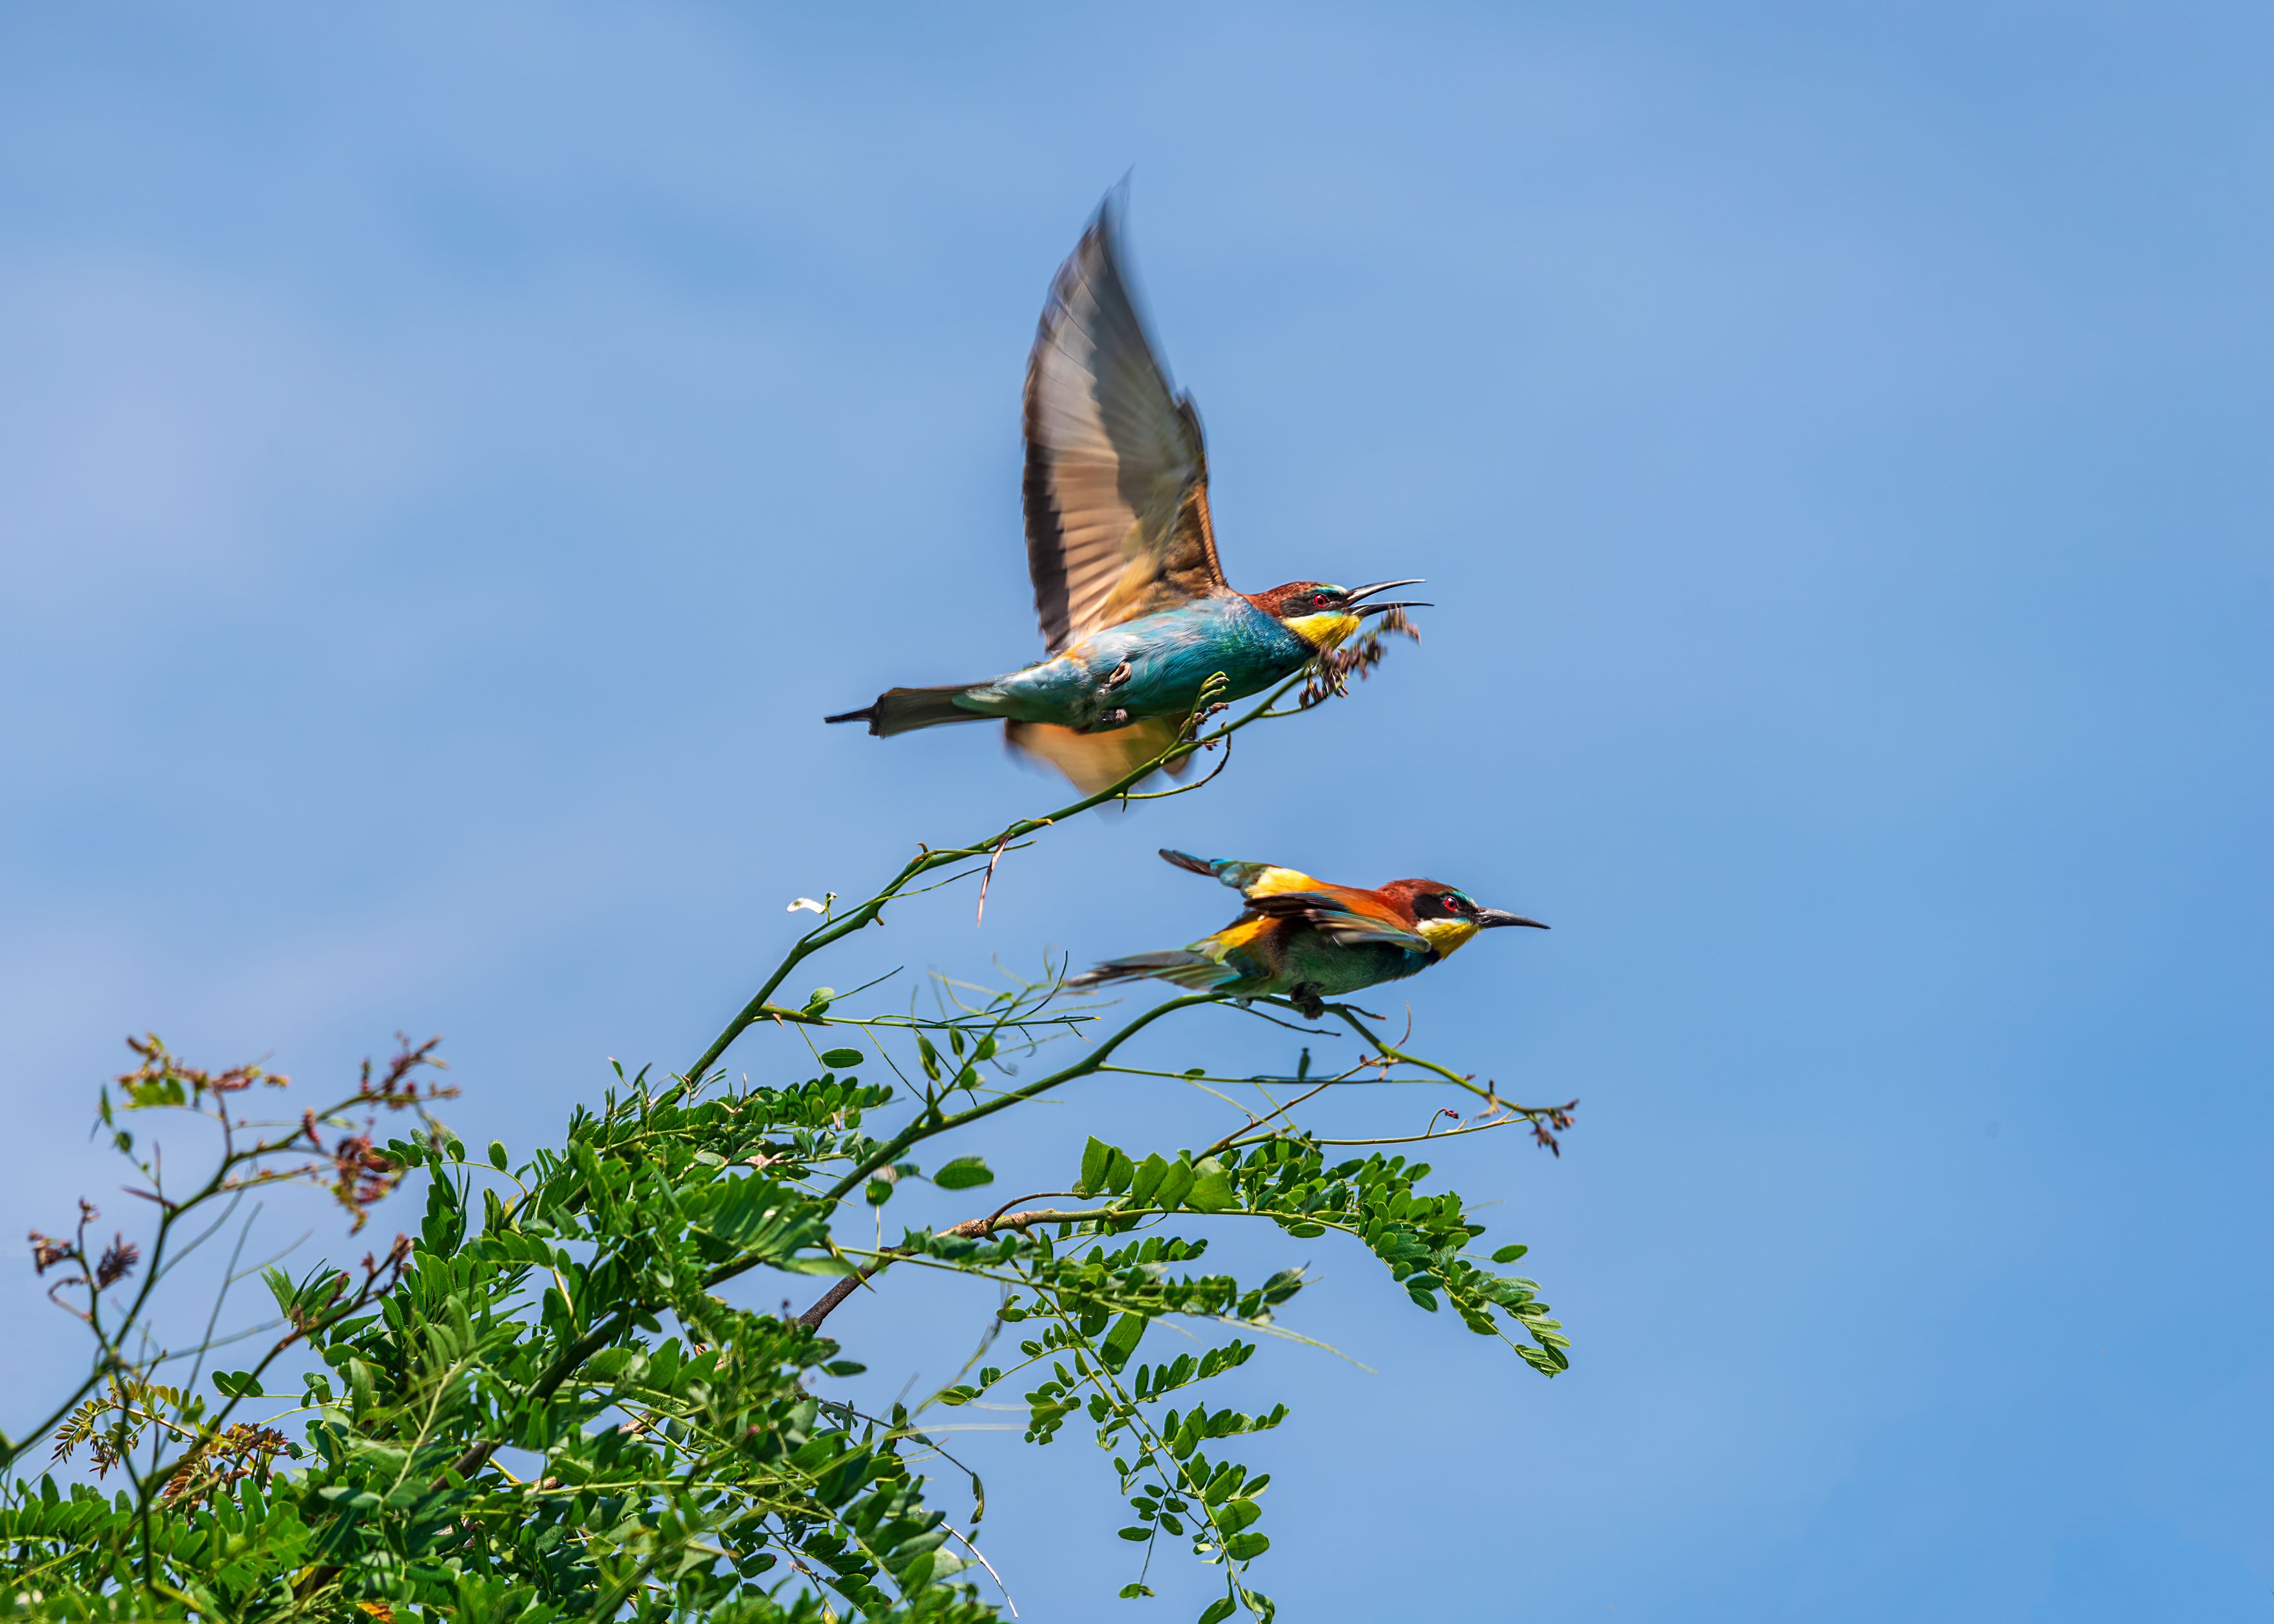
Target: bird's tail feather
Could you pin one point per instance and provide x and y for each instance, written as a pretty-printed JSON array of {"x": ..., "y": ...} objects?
[
  {"x": 904, "y": 709},
  {"x": 1181, "y": 965}
]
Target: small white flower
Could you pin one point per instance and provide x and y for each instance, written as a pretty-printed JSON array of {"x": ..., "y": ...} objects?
[{"x": 807, "y": 903}]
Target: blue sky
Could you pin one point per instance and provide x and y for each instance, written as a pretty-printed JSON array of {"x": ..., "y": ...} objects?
[{"x": 449, "y": 461}]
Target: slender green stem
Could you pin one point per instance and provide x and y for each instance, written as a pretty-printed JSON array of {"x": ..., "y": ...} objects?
[
  {"x": 760, "y": 1007},
  {"x": 566, "y": 1363},
  {"x": 917, "y": 1131},
  {"x": 1389, "y": 1051}
]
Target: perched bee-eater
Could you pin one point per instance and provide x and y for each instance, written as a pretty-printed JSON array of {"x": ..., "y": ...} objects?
[
  {"x": 1135, "y": 610},
  {"x": 1305, "y": 940}
]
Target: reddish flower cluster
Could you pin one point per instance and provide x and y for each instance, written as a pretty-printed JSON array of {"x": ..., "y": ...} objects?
[
  {"x": 395, "y": 1089},
  {"x": 361, "y": 1175},
  {"x": 220, "y": 1463},
  {"x": 159, "y": 1068},
  {"x": 1337, "y": 667},
  {"x": 117, "y": 1260},
  {"x": 358, "y": 1173},
  {"x": 47, "y": 1252},
  {"x": 1559, "y": 1118}
]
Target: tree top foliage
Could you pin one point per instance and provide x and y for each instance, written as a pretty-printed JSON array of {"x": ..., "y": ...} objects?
[{"x": 541, "y": 1404}]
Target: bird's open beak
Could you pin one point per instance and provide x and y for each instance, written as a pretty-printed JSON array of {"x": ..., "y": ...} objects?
[
  {"x": 1379, "y": 586},
  {"x": 1486, "y": 918},
  {"x": 1382, "y": 586}
]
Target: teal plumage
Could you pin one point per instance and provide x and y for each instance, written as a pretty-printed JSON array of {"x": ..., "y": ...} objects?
[
  {"x": 1151, "y": 666},
  {"x": 1135, "y": 611},
  {"x": 1306, "y": 940}
]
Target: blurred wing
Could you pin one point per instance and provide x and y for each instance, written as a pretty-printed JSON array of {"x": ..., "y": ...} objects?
[
  {"x": 1095, "y": 760},
  {"x": 1249, "y": 879},
  {"x": 1344, "y": 918},
  {"x": 1117, "y": 477}
]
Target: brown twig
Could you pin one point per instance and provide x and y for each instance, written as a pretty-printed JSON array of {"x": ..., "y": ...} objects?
[
  {"x": 987, "y": 878},
  {"x": 970, "y": 1229}
]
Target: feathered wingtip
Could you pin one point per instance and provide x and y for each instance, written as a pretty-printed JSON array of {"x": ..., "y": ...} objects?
[
  {"x": 1094, "y": 761},
  {"x": 1249, "y": 879}
]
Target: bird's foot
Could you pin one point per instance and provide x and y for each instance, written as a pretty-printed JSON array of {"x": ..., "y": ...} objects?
[{"x": 1108, "y": 721}]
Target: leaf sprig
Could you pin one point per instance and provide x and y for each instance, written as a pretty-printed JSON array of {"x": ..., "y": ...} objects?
[{"x": 553, "y": 1401}]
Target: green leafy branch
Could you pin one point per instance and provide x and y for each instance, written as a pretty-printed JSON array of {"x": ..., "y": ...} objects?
[{"x": 543, "y": 1404}]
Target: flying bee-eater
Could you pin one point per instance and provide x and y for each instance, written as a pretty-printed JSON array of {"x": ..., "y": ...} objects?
[
  {"x": 1307, "y": 940},
  {"x": 1135, "y": 611}
]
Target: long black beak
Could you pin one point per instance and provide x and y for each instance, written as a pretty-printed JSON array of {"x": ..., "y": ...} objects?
[
  {"x": 1385, "y": 608},
  {"x": 1379, "y": 586},
  {"x": 1486, "y": 918}
]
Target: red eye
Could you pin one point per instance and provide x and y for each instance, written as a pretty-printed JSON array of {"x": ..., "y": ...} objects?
[{"x": 1318, "y": 600}]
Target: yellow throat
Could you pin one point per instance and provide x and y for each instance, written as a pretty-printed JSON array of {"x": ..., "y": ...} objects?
[
  {"x": 1322, "y": 631},
  {"x": 1447, "y": 936}
]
